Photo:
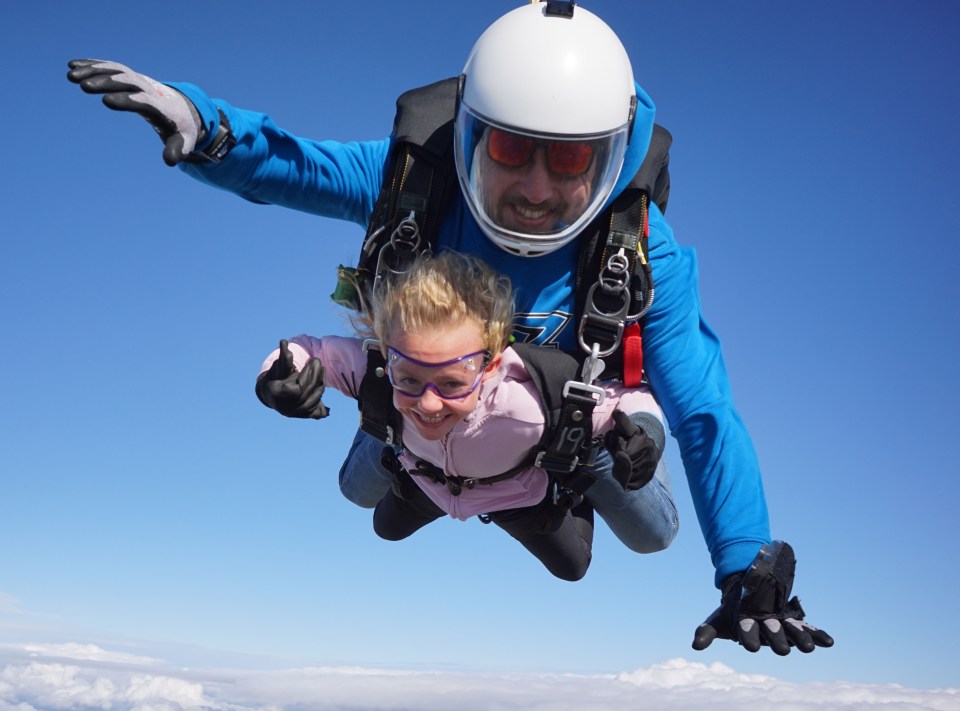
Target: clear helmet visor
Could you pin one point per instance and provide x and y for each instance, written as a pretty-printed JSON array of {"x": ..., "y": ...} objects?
[{"x": 533, "y": 193}]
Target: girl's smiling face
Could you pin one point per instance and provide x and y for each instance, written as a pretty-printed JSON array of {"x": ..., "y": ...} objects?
[{"x": 434, "y": 416}]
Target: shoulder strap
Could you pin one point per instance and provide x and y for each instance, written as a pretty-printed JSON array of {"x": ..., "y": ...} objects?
[
  {"x": 654, "y": 174},
  {"x": 417, "y": 184},
  {"x": 425, "y": 116},
  {"x": 378, "y": 416},
  {"x": 614, "y": 262},
  {"x": 568, "y": 410}
]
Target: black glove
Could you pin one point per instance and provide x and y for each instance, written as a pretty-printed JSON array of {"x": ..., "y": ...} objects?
[
  {"x": 635, "y": 454},
  {"x": 755, "y": 610},
  {"x": 291, "y": 392},
  {"x": 171, "y": 114}
]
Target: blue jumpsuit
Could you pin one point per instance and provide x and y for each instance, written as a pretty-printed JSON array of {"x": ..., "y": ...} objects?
[{"x": 682, "y": 355}]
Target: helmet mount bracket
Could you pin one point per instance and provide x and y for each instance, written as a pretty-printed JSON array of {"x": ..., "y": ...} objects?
[{"x": 560, "y": 8}]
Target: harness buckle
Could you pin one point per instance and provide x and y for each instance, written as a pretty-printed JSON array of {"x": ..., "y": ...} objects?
[
  {"x": 584, "y": 389},
  {"x": 554, "y": 466},
  {"x": 456, "y": 484},
  {"x": 602, "y": 325},
  {"x": 389, "y": 439},
  {"x": 613, "y": 328}
]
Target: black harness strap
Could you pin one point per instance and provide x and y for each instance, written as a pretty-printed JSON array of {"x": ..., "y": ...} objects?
[
  {"x": 616, "y": 252},
  {"x": 378, "y": 417},
  {"x": 568, "y": 412},
  {"x": 418, "y": 185},
  {"x": 456, "y": 484}
]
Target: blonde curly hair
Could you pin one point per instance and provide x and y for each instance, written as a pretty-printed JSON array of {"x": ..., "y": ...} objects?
[{"x": 438, "y": 291}]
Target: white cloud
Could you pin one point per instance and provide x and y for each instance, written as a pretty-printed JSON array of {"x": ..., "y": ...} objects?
[
  {"x": 85, "y": 652},
  {"x": 37, "y": 677},
  {"x": 726, "y": 688},
  {"x": 62, "y": 686}
]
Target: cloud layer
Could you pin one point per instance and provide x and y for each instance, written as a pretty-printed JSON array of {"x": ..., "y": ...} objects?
[{"x": 81, "y": 677}]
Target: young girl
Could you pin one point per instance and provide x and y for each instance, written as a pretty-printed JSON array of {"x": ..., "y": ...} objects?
[{"x": 469, "y": 410}]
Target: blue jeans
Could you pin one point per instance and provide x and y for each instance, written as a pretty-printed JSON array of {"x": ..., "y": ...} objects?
[
  {"x": 645, "y": 520},
  {"x": 363, "y": 480}
]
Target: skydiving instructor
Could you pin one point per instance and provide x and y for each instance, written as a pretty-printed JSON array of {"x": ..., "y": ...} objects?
[{"x": 549, "y": 129}]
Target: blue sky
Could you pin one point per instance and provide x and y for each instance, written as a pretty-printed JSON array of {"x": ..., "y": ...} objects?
[{"x": 154, "y": 516}]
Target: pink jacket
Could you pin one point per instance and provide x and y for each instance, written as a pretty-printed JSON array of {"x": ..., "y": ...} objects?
[{"x": 498, "y": 435}]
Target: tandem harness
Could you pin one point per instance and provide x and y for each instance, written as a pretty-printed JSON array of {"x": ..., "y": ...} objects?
[
  {"x": 614, "y": 283},
  {"x": 563, "y": 450}
]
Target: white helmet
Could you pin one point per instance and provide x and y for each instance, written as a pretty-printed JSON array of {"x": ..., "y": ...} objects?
[{"x": 546, "y": 107}]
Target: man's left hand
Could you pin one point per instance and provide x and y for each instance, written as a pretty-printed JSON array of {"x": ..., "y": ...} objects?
[{"x": 755, "y": 610}]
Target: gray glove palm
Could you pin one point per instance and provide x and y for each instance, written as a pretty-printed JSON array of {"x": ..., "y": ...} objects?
[{"x": 170, "y": 113}]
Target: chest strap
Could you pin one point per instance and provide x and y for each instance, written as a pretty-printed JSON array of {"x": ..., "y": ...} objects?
[{"x": 455, "y": 484}]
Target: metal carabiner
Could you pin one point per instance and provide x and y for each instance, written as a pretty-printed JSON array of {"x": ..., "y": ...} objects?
[
  {"x": 406, "y": 237},
  {"x": 592, "y": 367},
  {"x": 619, "y": 268},
  {"x": 612, "y": 321}
]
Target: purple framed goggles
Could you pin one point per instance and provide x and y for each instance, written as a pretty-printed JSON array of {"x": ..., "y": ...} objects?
[{"x": 451, "y": 380}]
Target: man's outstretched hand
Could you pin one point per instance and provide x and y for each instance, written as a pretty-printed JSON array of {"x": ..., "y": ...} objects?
[
  {"x": 170, "y": 113},
  {"x": 756, "y": 609}
]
